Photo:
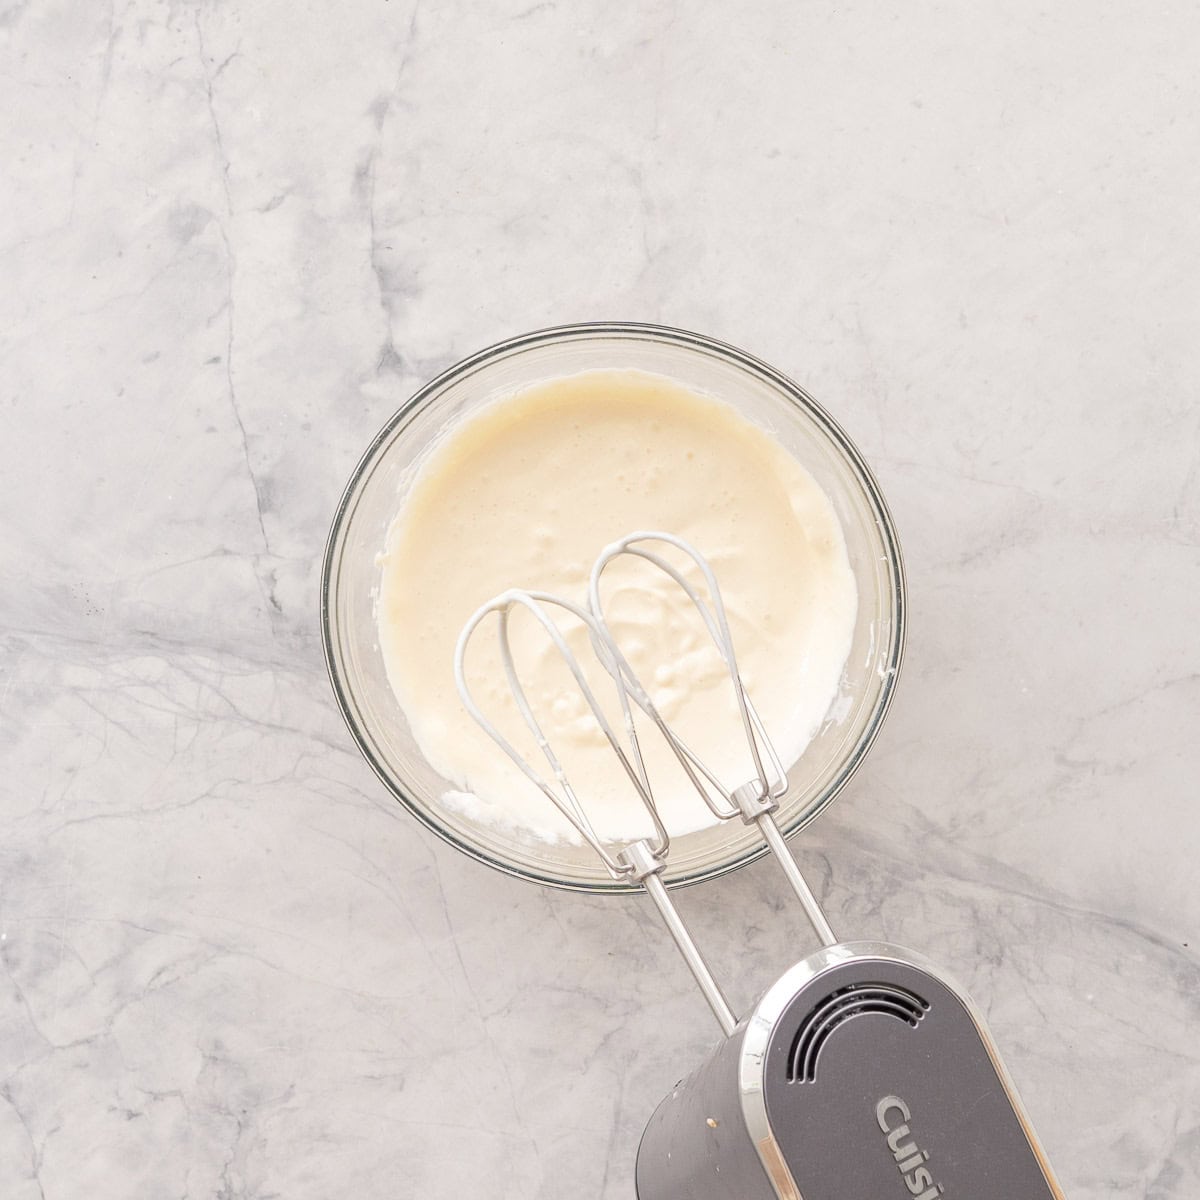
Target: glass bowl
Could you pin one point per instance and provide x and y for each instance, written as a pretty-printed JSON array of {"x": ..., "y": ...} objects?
[{"x": 350, "y": 582}]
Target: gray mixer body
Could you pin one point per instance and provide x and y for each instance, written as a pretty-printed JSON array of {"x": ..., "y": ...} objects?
[{"x": 860, "y": 1074}]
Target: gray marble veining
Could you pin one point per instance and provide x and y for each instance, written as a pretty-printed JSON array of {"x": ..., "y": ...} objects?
[{"x": 234, "y": 236}]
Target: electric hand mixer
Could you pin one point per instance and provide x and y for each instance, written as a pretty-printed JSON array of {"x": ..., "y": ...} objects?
[{"x": 861, "y": 1072}]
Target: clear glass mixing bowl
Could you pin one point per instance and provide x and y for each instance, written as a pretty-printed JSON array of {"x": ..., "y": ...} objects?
[{"x": 372, "y": 498}]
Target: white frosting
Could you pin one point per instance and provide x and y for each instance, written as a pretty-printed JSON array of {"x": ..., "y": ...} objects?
[{"x": 525, "y": 493}]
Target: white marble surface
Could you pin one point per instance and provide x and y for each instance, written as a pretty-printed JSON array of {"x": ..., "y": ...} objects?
[{"x": 234, "y": 236}]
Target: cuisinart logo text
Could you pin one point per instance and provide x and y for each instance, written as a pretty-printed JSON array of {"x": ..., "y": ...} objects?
[{"x": 893, "y": 1117}]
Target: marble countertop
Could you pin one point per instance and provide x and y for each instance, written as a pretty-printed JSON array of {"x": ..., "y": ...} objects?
[{"x": 235, "y": 236}]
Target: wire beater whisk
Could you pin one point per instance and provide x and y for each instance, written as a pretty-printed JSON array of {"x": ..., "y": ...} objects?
[{"x": 642, "y": 860}]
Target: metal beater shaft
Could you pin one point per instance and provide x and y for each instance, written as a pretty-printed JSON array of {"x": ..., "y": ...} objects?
[{"x": 647, "y": 870}]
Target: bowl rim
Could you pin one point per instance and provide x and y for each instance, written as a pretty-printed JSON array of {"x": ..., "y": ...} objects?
[{"x": 671, "y": 335}]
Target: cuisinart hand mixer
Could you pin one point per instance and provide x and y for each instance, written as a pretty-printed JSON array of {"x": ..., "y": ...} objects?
[{"x": 863, "y": 1073}]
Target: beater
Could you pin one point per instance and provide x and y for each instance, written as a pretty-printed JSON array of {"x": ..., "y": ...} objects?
[{"x": 863, "y": 1071}]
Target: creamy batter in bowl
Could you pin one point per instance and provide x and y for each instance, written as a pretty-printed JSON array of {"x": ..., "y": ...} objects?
[{"x": 386, "y": 473}]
